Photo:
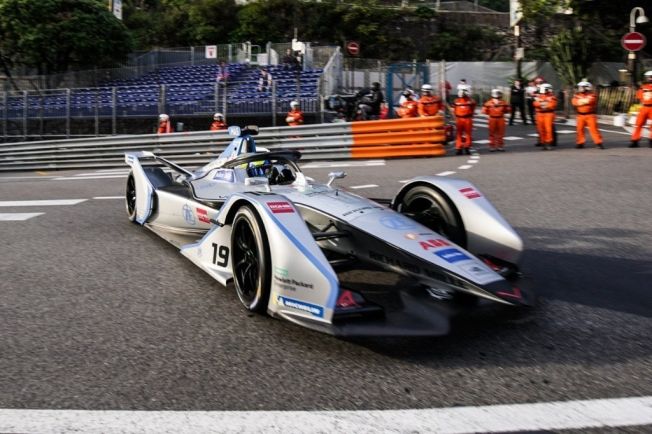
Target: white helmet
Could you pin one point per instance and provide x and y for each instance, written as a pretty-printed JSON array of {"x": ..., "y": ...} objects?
[
  {"x": 463, "y": 90},
  {"x": 294, "y": 104},
  {"x": 163, "y": 117},
  {"x": 648, "y": 75},
  {"x": 218, "y": 117},
  {"x": 584, "y": 84},
  {"x": 496, "y": 93},
  {"x": 426, "y": 88},
  {"x": 545, "y": 87}
]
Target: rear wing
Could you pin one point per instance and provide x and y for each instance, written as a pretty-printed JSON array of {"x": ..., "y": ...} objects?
[{"x": 132, "y": 157}]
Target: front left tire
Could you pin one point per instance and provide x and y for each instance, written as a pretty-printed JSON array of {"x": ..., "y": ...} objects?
[
  {"x": 130, "y": 197},
  {"x": 251, "y": 260}
]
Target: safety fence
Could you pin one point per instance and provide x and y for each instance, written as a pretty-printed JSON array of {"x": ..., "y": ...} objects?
[{"x": 367, "y": 139}]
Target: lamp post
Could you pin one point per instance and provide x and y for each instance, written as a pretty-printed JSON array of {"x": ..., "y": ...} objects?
[{"x": 633, "y": 21}]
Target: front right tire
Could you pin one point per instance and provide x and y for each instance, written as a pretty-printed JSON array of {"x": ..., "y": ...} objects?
[
  {"x": 251, "y": 260},
  {"x": 130, "y": 197}
]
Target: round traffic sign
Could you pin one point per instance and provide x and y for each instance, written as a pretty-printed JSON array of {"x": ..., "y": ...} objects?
[
  {"x": 633, "y": 41},
  {"x": 353, "y": 48}
]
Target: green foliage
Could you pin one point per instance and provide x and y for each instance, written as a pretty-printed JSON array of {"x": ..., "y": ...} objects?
[
  {"x": 569, "y": 56},
  {"x": 55, "y": 35}
]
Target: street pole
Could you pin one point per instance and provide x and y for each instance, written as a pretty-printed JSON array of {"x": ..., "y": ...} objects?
[
  {"x": 517, "y": 54},
  {"x": 631, "y": 56}
]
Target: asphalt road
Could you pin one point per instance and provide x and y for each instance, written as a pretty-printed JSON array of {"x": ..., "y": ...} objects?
[{"x": 98, "y": 313}]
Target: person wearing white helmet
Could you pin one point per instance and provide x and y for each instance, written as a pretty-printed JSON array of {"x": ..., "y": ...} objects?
[
  {"x": 585, "y": 102},
  {"x": 463, "y": 108},
  {"x": 294, "y": 117},
  {"x": 545, "y": 104},
  {"x": 496, "y": 108},
  {"x": 164, "y": 124},
  {"x": 429, "y": 104},
  {"x": 218, "y": 122},
  {"x": 644, "y": 95}
]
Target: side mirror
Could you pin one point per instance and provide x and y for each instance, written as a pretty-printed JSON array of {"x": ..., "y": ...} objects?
[
  {"x": 234, "y": 131},
  {"x": 251, "y": 130},
  {"x": 335, "y": 175}
]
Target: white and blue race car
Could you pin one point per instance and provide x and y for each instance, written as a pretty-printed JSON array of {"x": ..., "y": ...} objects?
[{"x": 305, "y": 251}]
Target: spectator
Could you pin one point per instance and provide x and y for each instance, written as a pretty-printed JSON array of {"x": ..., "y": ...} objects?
[
  {"x": 429, "y": 104},
  {"x": 294, "y": 117},
  {"x": 644, "y": 95},
  {"x": 409, "y": 108},
  {"x": 545, "y": 105},
  {"x": 496, "y": 108},
  {"x": 291, "y": 61},
  {"x": 517, "y": 101},
  {"x": 164, "y": 124},
  {"x": 264, "y": 80},
  {"x": 530, "y": 92},
  {"x": 370, "y": 101},
  {"x": 463, "y": 108},
  {"x": 222, "y": 73},
  {"x": 218, "y": 122},
  {"x": 585, "y": 102}
]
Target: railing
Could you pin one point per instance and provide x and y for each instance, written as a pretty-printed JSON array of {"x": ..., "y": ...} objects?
[{"x": 368, "y": 139}]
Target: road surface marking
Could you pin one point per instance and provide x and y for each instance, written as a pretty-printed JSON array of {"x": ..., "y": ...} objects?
[
  {"x": 512, "y": 138},
  {"x": 600, "y": 413},
  {"x": 18, "y": 216},
  {"x": 446, "y": 173},
  {"x": 108, "y": 197},
  {"x": 344, "y": 164},
  {"x": 466, "y": 166},
  {"x": 77, "y": 178},
  {"x": 60, "y": 202},
  {"x": 357, "y": 187}
]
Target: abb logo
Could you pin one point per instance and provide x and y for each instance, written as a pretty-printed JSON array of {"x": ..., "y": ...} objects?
[
  {"x": 433, "y": 244},
  {"x": 280, "y": 207}
]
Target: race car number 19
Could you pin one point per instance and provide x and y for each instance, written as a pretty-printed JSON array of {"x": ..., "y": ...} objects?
[{"x": 221, "y": 253}]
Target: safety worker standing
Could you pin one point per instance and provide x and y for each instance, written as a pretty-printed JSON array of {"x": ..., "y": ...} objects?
[
  {"x": 218, "y": 122},
  {"x": 164, "y": 124},
  {"x": 585, "y": 102},
  {"x": 496, "y": 108},
  {"x": 294, "y": 117},
  {"x": 429, "y": 104},
  {"x": 545, "y": 104},
  {"x": 644, "y": 95},
  {"x": 409, "y": 108},
  {"x": 463, "y": 108}
]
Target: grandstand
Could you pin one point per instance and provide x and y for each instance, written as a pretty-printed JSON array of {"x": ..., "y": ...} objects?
[{"x": 178, "y": 90}]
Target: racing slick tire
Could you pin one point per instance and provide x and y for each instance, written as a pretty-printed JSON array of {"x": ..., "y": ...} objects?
[
  {"x": 251, "y": 260},
  {"x": 434, "y": 210},
  {"x": 130, "y": 198}
]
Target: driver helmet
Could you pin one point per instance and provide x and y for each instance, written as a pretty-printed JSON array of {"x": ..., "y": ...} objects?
[
  {"x": 426, "y": 88},
  {"x": 218, "y": 117},
  {"x": 496, "y": 93},
  {"x": 294, "y": 104},
  {"x": 163, "y": 117}
]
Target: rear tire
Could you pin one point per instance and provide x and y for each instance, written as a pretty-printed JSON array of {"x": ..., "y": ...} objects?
[
  {"x": 251, "y": 260},
  {"x": 434, "y": 210},
  {"x": 130, "y": 197}
]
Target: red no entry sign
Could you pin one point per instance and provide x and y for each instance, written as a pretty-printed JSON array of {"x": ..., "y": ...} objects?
[
  {"x": 633, "y": 41},
  {"x": 353, "y": 48}
]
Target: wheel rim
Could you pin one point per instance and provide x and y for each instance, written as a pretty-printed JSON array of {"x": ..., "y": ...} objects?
[
  {"x": 427, "y": 211},
  {"x": 246, "y": 265},
  {"x": 131, "y": 195}
]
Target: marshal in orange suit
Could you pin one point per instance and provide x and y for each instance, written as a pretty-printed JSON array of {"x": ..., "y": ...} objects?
[
  {"x": 496, "y": 108},
  {"x": 545, "y": 104},
  {"x": 644, "y": 95},
  {"x": 585, "y": 102}
]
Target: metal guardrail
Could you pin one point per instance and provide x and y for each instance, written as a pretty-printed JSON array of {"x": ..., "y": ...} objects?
[{"x": 369, "y": 139}]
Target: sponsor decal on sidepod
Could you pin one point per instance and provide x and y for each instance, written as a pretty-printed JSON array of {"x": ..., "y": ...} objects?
[
  {"x": 312, "y": 309},
  {"x": 280, "y": 207}
]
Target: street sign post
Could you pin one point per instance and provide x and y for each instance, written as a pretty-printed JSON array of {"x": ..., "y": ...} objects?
[
  {"x": 353, "y": 48},
  {"x": 633, "y": 41}
]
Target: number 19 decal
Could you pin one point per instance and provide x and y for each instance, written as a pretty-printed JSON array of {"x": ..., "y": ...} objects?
[{"x": 220, "y": 255}]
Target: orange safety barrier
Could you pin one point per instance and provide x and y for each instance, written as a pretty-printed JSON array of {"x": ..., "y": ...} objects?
[{"x": 411, "y": 137}]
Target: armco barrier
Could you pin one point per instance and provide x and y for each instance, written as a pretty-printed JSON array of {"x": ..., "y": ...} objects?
[{"x": 368, "y": 139}]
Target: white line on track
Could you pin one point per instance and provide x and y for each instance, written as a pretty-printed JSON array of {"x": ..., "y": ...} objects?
[
  {"x": 344, "y": 164},
  {"x": 474, "y": 156},
  {"x": 77, "y": 178},
  {"x": 113, "y": 170},
  {"x": 446, "y": 173},
  {"x": 18, "y": 216},
  {"x": 108, "y": 197},
  {"x": 357, "y": 187},
  {"x": 473, "y": 161},
  {"x": 123, "y": 173},
  {"x": 59, "y": 202},
  {"x": 512, "y": 138},
  {"x": 465, "y": 167},
  {"x": 26, "y": 177},
  {"x": 600, "y": 413},
  {"x": 481, "y": 142}
]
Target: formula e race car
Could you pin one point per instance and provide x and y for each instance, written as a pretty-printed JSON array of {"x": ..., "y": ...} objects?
[{"x": 322, "y": 257}]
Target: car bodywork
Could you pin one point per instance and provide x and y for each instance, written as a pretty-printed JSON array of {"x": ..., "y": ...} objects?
[{"x": 319, "y": 237}]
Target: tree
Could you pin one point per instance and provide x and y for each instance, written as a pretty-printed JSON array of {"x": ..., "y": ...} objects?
[{"x": 58, "y": 35}]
